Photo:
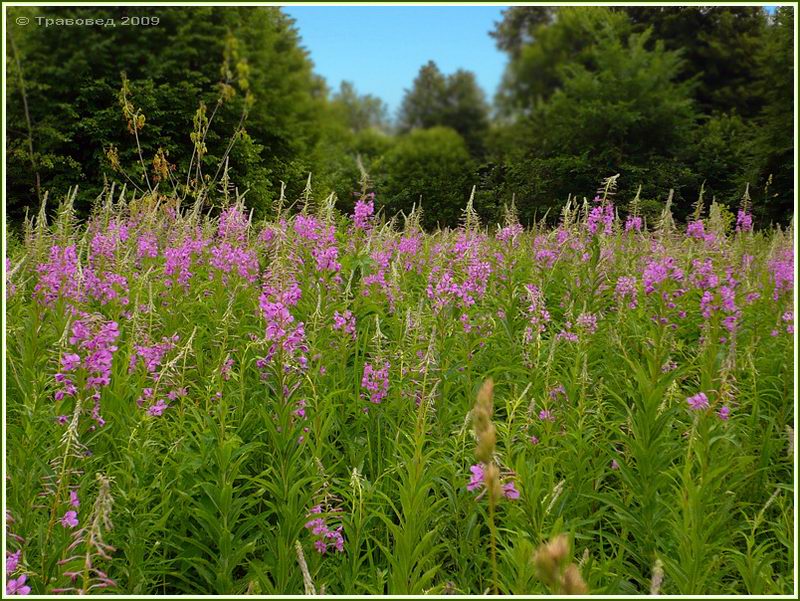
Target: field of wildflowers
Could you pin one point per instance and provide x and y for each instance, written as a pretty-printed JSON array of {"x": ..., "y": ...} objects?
[{"x": 207, "y": 403}]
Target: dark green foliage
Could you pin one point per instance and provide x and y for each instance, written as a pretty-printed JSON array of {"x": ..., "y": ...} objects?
[
  {"x": 428, "y": 165},
  {"x": 453, "y": 101},
  {"x": 564, "y": 37},
  {"x": 774, "y": 148},
  {"x": 669, "y": 97},
  {"x": 72, "y": 83},
  {"x": 359, "y": 112},
  {"x": 720, "y": 45}
]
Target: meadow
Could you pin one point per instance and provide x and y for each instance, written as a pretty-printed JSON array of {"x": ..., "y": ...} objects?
[{"x": 202, "y": 402}]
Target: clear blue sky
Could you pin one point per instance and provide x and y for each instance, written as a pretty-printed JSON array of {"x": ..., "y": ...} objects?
[{"x": 381, "y": 48}]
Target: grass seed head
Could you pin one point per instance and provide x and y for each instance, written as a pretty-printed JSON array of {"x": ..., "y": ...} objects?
[
  {"x": 549, "y": 562},
  {"x": 482, "y": 422}
]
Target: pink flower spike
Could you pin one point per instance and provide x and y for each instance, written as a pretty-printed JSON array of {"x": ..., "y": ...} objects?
[
  {"x": 510, "y": 491},
  {"x": 698, "y": 401},
  {"x": 12, "y": 561},
  {"x": 70, "y": 519},
  {"x": 17, "y": 586},
  {"x": 477, "y": 477}
]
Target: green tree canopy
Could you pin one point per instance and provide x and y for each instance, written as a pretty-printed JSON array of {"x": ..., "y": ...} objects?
[
  {"x": 774, "y": 144},
  {"x": 720, "y": 46},
  {"x": 73, "y": 82},
  {"x": 359, "y": 112},
  {"x": 455, "y": 101},
  {"x": 432, "y": 165}
]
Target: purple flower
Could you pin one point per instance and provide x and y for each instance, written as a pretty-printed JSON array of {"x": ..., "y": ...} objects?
[
  {"x": 376, "y": 382},
  {"x": 320, "y": 546},
  {"x": 601, "y": 215},
  {"x": 233, "y": 224},
  {"x": 338, "y": 539},
  {"x": 696, "y": 229},
  {"x": 147, "y": 246},
  {"x": 157, "y": 409},
  {"x": 70, "y": 519},
  {"x": 362, "y": 217},
  {"x": 698, "y": 401},
  {"x": 669, "y": 366},
  {"x": 633, "y": 223},
  {"x": 70, "y": 361},
  {"x": 510, "y": 232},
  {"x": 782, "y": 267},
  {"x": 12, "y": 561},
  {"x": 346, "y": 322},
  {"x": 317, "y": 526},
  {"x": 534, "y": 440},
  {"x": 788, "y": 319},
  {"x": 73, "y": 499},
  {"x": 538, "y": 314},
  {"x": 626, "y": 290},
  {"x": 724, "y": 413},
  {"x": 477, "y": 477},
  {"x": 588, "y": 322},
  {"x": 60, "y": 276},
  {"x": 568, "y": 336},
  {"x": 18, "y": 587},
  {"x": 510, "y": 491},
  {"x": 744, "y": 221},
  {"x": 227, "y": 258},
  {"x": 225, "y": 370},
  {"x": 546, "y": 416},
  {"x": 614, "y": 464}
]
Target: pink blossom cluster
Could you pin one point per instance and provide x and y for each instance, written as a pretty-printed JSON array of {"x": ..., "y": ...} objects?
[
  {"x": 105, "y": 244},
  {"x": 147, "y": 246},
  {"x": 510, "y": 233},
  {"x": 345, "y": 322},
  {"x": 658, "y": 271},
  {"x": 233, "y": 225},
  {"x": 228, "y": 258},
  {"x": 626, "y": 291},
  {"x": 325, "y": 536},
  {"x": 782, "y": 268},
  {"x": 321, "y": 240},
  {"x": 94, "y": 341},
  {"x": 633, "y": 223},
  {"x": 376, "y": 382},
  {"x": 477, "y": 481},
  {"x": 281, "y": 332},
  {"x": 179, "y": 259},
  {"x": 152, "y": 355},
  {"x": 363, "y": 213},
  {"x": 60, "y": 276},
  {"x": 744, "y": 221},
  {"x": 601, "y": 214},
  {"x": 697, "y": 230}
]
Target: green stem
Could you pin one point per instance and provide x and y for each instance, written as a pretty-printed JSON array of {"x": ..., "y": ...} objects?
[{"x": 493, "y": 542}]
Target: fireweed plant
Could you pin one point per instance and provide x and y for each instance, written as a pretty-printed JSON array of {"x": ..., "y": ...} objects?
[
  {"x": 202, "y": 402},
  {"x": 193, "y": 396}
]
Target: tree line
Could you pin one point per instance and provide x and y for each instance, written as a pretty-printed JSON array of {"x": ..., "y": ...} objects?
[{"x": 681, "y": 99}]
